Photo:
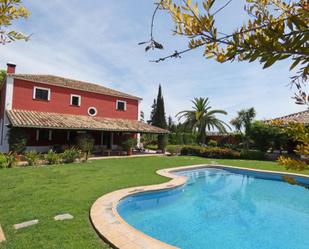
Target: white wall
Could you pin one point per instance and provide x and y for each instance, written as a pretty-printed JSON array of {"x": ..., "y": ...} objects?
[{"x": 7, "y": 106}]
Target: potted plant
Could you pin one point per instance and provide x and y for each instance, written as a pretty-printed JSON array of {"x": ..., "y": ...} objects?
[{"x": 128, "y": 145}]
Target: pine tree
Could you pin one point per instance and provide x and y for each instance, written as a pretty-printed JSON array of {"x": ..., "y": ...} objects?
[{"x": 159, "y": 119}]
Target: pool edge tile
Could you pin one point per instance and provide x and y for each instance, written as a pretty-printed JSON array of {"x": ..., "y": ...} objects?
[{"x": 2, "y": 236}]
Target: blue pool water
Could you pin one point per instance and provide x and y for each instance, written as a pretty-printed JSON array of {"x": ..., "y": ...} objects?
[{"x": 218, "y": 209}]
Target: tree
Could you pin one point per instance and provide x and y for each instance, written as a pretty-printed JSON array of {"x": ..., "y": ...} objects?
[
  {"x": 276, "y": 30},
  {"x": 10, "y": 10},
  {"x": 300, "y": 134},
  {"x": 265, "y": 136},
  {"x": 159, "y": 119},
  {"x": 171, "y": 125},
  {"x": 2, "y": 75},
  {"x": 242, "y": 124},
  {"x": 202, "y": 118},
  {"x": 85, "y": 143},
  {"x": 153, "y": 111}
]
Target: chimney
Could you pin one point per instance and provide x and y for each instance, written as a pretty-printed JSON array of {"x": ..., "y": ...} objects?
[{"x": 10, "y": 68}]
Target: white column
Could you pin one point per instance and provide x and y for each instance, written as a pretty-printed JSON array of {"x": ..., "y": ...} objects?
[
  {"x": 7, "y": 106},
  {"x": 68, "y": 136},
  {"x": 37, "y": 135},
  {"x": 50, "y": 135}
]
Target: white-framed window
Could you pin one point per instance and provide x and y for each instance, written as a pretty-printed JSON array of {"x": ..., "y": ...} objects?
[
  {"x": 41, "y": 93},
  {"x": 121, "y": 105},
  {"x": 92, "y": 111},
  {"x": 75, "y": 100}
]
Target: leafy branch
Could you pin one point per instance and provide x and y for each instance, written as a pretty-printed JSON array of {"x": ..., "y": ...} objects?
[
  {"x": 11, "y": 10},
  {"x": 276, "y": 30}
]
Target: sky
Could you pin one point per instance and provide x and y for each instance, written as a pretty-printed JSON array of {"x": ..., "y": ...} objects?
[{"x": 96, "y": 41}]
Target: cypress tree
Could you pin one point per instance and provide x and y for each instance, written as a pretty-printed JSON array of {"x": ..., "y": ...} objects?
[
  {"x": 153, "y": 111},
  {"x": 159, "y": 119}
]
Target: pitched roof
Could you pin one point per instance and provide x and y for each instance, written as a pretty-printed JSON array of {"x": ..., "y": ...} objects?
[
  {"x": 299, "y": 117},
  {"x": 34, "y": 119},
  {"x": 73, "y": 84}
]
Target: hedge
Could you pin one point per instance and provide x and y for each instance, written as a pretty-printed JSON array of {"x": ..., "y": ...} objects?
[
  {"x": 216, "y": 152},
  {"x": 252, "y": 154}
]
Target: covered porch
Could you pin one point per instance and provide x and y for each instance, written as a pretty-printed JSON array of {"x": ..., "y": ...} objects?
[{"x": 55, "y": 131}]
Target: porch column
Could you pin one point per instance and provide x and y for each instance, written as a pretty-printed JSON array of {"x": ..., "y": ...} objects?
[
  {"x": 102, "y": 137},
  {"x": 138, "y": 140}
]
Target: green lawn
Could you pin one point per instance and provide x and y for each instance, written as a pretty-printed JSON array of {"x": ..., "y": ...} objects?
[{"x": 43, "y": 192}]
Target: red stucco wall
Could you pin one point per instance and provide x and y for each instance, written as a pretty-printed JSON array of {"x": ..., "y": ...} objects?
[{"x": 60, "y": 101}]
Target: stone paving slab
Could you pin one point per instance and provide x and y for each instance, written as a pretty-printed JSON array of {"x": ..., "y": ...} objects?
[
  {"x": 25, "y": 224},
  {"x": 132, "y": 156},
  {"x": 63, "y": 217},
  {"x": 2, "y": 237}
]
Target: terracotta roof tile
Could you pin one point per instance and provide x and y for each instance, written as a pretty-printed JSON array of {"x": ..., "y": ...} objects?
[
  {"x": 299, "y": 117},
  {"x": 70, "y": 83},
  {"x": 34, "y": 119}
]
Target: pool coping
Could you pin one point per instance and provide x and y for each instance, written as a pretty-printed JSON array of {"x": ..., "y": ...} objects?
[
  {"x": 2, "y": 236},
  {"x": 114, "y": 230}
]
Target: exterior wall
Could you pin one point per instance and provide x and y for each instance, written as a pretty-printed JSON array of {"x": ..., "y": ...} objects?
[
  {"x": 6, "y": 104},
  {"x": 220, "y": 138},
  {"x": 60, "y": 101}
]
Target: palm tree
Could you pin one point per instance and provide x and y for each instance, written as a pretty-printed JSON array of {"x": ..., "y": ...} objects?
[
  {"x": 202, "y": 118},
  {"x": 242, "y": 123}
]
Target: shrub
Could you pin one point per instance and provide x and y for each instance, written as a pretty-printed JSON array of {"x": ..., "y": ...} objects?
[
  {"x": 225, "y": 153},
  {"x": 292, "y": 164},
  {"x": 129, "y": 144},
  {"x": 85, "y": 143},
  {"x": 174, "y": 149},
  {"x": 8, "y": 161},
  {"x": 252, "y": 154},
  {"x": 70, "y": 155},
  {"x": 3, "y": 161},
  {"x": 212, "y": 143},
  {"x": 210, "y": 152},
  {"x": 162, "y": 142},
  {"x": 17, "y": 140},
  {"x": 52, "y": 157},
  {"x": 151, "y": 147},
  {"x": 32, "y": 157},
  {"x": 191, "y": 150}
]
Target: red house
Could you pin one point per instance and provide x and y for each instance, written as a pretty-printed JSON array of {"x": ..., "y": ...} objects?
[{"x": 54, "y": 111}]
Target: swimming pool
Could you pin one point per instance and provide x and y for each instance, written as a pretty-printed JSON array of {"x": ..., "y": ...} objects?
[{"x": 224, "y": 208}]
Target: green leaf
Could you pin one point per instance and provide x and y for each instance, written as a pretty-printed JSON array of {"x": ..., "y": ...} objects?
[{"x": 295, "y": 63}]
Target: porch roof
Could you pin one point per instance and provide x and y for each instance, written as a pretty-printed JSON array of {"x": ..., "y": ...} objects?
[
  {"x": 298, "y": 117},
  {"x": 34, "y": 119}
]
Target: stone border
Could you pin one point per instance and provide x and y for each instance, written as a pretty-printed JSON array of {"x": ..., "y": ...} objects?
[
  {"x": 2, "y": 237},
  {"x": 112, "y": 228}
]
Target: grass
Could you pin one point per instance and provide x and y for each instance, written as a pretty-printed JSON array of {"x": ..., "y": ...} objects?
[{"x": 43, "y": 192}]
